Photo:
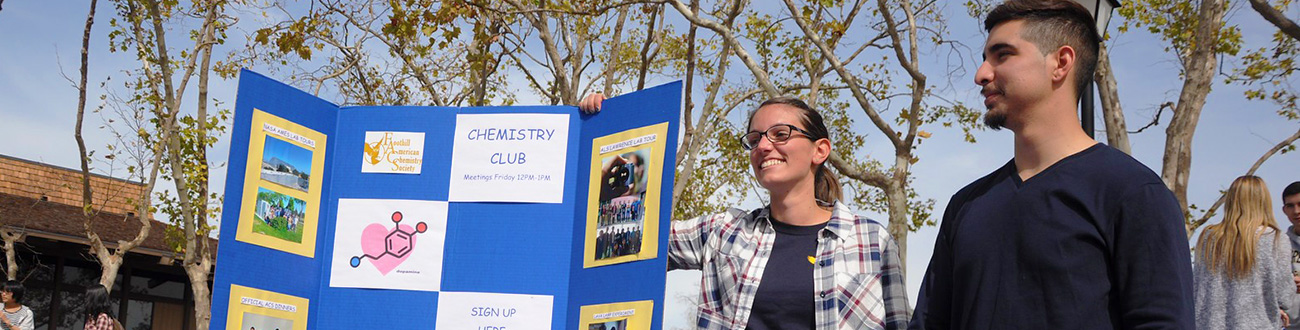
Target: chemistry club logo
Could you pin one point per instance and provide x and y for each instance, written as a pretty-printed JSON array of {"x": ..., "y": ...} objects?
[{"x": 387, "y": 248}]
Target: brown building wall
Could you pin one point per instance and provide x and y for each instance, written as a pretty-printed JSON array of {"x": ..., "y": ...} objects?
[{"x": 62, "y": 185}]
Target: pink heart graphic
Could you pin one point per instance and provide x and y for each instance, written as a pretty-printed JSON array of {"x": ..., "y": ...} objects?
[{"x": 382, "y": 246}]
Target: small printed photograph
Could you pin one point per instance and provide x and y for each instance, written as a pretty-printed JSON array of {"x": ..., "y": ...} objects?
[
  {"x": 621, "y": 217},
  {"x": 279, "y": 215},
  {"x": 286, "y": 164},
  {"x": 253, "y": 321},
  {"x": 611, "y": 325}
]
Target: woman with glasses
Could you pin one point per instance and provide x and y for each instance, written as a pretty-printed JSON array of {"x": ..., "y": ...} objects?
[{"x": 804, "y": 261}]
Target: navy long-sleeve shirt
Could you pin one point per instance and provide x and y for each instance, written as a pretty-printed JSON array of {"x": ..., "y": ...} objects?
[{"x": 1095, "y": 241}]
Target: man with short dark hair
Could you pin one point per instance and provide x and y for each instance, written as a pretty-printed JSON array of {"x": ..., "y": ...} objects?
[
  {"x": 1291, "y": 208},
  {"x": 1070, "y": 234}
]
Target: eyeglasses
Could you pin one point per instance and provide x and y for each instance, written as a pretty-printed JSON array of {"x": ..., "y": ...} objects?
[{"x": 776, "y": 134}]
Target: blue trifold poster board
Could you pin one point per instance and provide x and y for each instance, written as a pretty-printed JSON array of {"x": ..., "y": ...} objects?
[{"x": 416, "y": 217}]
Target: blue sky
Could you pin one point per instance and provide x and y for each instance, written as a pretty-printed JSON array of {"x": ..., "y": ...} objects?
[{"x": 37, "y": 108}]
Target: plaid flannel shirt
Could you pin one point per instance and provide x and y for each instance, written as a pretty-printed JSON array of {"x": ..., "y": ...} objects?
[{"x": 858, "y": 279}]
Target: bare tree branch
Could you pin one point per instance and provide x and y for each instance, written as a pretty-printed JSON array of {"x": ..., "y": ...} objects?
[
  {"x": 854, "y": 87},
  {"x": 1155, "y": 120},
  {"x": 1211, "y": 212},
  {"x": 1272, "y": 15},
  {"x": 760, "y": 74},
  {"x": 593, "y": 12},
  {"x": 400, "y": 51}
]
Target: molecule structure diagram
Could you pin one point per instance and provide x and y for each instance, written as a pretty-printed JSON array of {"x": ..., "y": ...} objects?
[{"x": 397, "y": 244}]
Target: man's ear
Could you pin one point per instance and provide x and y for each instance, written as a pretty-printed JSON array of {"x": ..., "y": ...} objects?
[{"x": 1062, "y": 63}]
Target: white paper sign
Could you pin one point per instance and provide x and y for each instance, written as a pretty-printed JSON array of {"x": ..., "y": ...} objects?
[
  {"x": 509, "y": 158},
  {"x": 389, "y": 244},
  {"x": 393, "y": 152},
  {"x": 493, "y": 311}
]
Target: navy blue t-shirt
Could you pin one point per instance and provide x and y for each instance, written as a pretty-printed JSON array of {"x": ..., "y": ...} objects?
[
  {"x": 785, "y": 297},
  {"x": 1095, "y": 241}
]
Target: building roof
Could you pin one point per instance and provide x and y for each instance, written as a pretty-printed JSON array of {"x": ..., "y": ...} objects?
[{"x": 65, "y": 223}]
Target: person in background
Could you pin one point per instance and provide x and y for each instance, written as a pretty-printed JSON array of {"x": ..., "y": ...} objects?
[
  {"x": 1291, "y": 208},
  {"x": 1243, "y": 272},
  {"x": 98, "y": 310},
  {"x": 15, "y": 315}
]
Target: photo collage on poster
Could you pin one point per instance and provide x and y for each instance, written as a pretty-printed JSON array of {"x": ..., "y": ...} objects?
[
  {"x": 282, "y": 186},
  {"x": 623, "y": 209}
]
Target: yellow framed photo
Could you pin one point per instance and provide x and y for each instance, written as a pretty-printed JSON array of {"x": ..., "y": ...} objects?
[
  {"x": 634, "y": 315},
  {"x": 253, "y": 309},
  {"x": 282, "y": 185},
  {"x": 623, "y": 199}
]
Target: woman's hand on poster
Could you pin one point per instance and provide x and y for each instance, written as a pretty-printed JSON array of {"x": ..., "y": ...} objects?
[{"x": 591, "y": 103}]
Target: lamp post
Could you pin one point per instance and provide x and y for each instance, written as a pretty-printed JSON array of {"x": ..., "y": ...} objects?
[{"x": 1101, "y": 11}]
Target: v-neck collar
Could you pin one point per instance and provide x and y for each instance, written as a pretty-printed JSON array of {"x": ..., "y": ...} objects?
[{"x": 1015, "y": 172}]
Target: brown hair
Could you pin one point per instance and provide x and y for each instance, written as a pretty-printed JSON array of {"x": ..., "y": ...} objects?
[
  {"x": 826, "y": 184},
  {"x": 1291, "y": 189},
  {"x": 1229, "y": 246},
  {"x": 1051, "y": 24}
]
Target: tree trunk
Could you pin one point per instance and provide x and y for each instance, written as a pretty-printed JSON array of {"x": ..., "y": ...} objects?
[
  {"x": 109, "y": 262},
  {"x": 896, "y": 198},
  {"x": 11, "y": 239},
  {"x": 1199, "y": 70},
  {"x": 108, "y": 269},
  {"x": 198, "y": 275},
  {"x": 1112, "y": 112},
  {"x": 197, "y": 259},
  {"x": 86, "y": 193},
  {"x": 612, "y": 44},
  {"x": 688, "y": 105}
]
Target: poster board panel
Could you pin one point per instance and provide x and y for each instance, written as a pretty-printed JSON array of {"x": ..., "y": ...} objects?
[{"x": 491, "y": 247}]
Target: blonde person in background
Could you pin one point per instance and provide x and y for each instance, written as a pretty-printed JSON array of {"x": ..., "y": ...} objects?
[{"x": 1242, "y": 269}]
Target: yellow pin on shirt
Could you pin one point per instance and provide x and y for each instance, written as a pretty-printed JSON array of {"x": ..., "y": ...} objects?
[{"x": 812, "y": 260}]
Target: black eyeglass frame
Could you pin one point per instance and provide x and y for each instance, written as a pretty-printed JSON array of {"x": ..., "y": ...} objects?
[{"x": 744, "y": 139}]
